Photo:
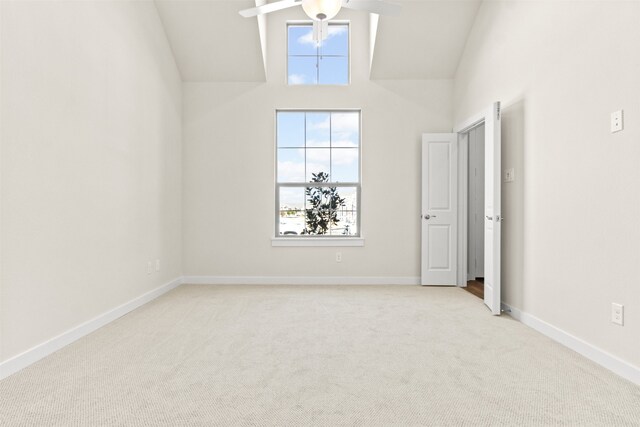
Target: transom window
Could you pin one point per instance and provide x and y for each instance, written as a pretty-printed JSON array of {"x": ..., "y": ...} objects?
[
  {"x": 311, "y": 63},
  {"x": 318, "y": 173}
]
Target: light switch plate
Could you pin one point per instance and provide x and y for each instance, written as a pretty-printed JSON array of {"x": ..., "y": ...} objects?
[
  {"x": 509, "y": 175},
  {"x": 617, "y": 121}
]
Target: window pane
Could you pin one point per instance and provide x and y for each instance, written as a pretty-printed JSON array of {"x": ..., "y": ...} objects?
[
  {"x": 344, "y": 165},
  {"x": 302, "y": 70},
  {"x": 334, "y": 70},
  {"x": 310, "y": 64},
  {"x": 301, "y": 40},
  {"x": 337, "y": 42},
  {"x": 318, "y": 160},
  {"x": 290, "y": 129},
  {"x": 345, "y": 221},
  {"x": 345, "y": 129},
  {"x": 291, "y": 165},
  {"x": 318, "y": 129},
  {"x": 291, "y": 211},
  {"x": 321, "y": 209}
]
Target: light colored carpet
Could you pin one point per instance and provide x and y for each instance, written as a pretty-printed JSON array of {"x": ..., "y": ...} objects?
[{"x": 307, "y": 355}]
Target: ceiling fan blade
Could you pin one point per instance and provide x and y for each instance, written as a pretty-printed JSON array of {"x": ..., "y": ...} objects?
[
  {"x": 374, "y": 6},
  {"x": 269, "y": 7}
]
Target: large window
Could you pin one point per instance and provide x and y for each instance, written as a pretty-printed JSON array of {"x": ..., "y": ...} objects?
[
  {"x": 311, "y": 63},
  {"x": 318, "y": 173}
]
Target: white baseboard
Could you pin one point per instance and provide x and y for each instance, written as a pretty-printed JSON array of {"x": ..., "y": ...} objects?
[
  {"x": 591, "y": 352},
  {"x": 40, "y": 351},
  {"x": 300, "y": 280}
]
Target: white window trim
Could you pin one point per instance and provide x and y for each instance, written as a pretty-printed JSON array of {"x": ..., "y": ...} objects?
[{"x": 317, "y": 241}]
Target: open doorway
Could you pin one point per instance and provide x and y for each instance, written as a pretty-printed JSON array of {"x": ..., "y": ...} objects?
[{"x": 475, "y": 211}]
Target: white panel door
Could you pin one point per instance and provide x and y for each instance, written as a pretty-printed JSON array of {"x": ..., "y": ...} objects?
[
  {"x": 492, "y": 209},
  {"x": 439, "y": 208}
]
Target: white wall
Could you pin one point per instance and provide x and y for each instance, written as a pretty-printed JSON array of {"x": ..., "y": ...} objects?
[
  {"x": 91, "y": 163},
  {"x": 571, "y": 238},
  {"x": 229, "y": 167}
]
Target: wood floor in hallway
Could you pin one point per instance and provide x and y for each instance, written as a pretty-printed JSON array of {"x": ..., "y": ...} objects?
[{"x": 476, "y": 287}]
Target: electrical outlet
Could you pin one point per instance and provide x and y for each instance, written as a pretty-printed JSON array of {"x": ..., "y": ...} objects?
[
  {"x": 617, "y": 314},
  {"x": 157, "y": 265},
  {"x": 617, "y": 121},
  {"x": 149, "y": 267},
  {"x": 338, "y": 256}
]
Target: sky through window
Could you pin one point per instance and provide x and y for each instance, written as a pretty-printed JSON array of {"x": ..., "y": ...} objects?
[{"x": 312, "y": 64}]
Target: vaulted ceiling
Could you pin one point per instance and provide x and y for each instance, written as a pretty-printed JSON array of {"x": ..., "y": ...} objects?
[
  {"x": 212, "y": 42},
  {"x": 425, "y": 42}
]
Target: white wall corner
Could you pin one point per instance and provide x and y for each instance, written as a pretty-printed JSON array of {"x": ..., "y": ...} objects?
[
  {"x": 591, "y": 352},
  {"x": 40, "y": 351}
]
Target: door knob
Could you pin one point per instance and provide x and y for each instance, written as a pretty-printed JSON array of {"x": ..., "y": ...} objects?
[
  {"x": 427, "y": 216},
  {"x": 490, "y": 218}
]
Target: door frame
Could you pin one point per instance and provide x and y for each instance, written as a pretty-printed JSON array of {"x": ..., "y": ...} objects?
[{"x": 462, "y": 129}]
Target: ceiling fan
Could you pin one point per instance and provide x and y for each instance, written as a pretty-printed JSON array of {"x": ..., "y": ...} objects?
[{"x": 321, "y": 11}]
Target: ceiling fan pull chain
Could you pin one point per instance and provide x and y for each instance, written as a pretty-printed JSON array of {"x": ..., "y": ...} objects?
[{"x": 319, "y": 42}]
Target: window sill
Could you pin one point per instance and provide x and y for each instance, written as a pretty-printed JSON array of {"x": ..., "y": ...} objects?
[{"x": 317, "y": 241}]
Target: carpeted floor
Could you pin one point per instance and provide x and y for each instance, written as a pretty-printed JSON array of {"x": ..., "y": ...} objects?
[{"x": 325, "y": 355}]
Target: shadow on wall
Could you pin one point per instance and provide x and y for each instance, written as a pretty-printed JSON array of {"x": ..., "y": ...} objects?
[{"x": 513, "y": 126}]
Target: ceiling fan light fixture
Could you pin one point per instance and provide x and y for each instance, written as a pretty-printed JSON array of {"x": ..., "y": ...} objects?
[{"x": 321, "y": 10}]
